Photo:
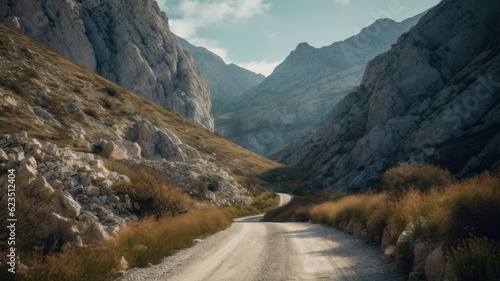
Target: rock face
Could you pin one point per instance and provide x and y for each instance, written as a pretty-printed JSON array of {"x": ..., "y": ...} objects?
[
  {"x": 433, "y": 98},
  {"x": 225, "y": 81},
  {"x": 127, "y": 42},
  {"x": 289, "y": 103}
]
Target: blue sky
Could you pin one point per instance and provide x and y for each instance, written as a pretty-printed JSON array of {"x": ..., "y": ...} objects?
[{"x": 259, "y": 34}]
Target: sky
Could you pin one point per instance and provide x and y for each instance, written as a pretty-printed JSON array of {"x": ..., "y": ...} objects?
[{"x": 259, "y": 34}]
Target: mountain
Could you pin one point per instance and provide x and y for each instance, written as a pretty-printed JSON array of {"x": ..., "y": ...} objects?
[
  {"x": 127, "y": 42},
  {"x": 69, "y": 108},
  {"x": 288, "y": 103},
  {"x": 225, "y": 81},
  {"x": 433, "y": 98}
]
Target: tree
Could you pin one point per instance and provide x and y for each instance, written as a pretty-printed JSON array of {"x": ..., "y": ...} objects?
[{"x": 250, "y": 180}]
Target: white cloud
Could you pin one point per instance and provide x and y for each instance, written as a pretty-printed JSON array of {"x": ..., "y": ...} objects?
[
  {"x": 270, "y": 35},
  {"x": 197, "y": 14},
  {"x": 264, "y": 67},
  {"x": 343, "y": 2}
]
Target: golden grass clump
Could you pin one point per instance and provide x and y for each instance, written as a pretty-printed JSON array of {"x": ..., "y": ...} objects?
[{"x": 149, "y": 240}]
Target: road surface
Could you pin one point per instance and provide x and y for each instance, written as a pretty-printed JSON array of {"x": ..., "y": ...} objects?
[{"x": 255, "y": 250}]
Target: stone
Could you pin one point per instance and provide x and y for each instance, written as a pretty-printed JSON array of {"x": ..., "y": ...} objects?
[
  {"x": 422, "y": 250},
  {"x": 38, "y": 154},
  {"x": 57, "y": 184},
  {"x": 113, "y": 198},
  {"x": 390, "y": 251},
  {"x": 66, "y": 230},
  {"x": 3, "y": 156},
  {"x": 94, "y": 233},
  {"x": 92, "y": 191},
  {"x": 122, "y": 264},
  {"x": 104, "y": 190},
  {"x": 111, "y": 150},
  {"x": 71, "y": 208},
  {"x": 87, "y": 216},
  {"x": 41, "y": 184},
  {"x": 26, "y": 172},
  {"x": 51, "y": 149},
  {"x": 30, "y": 161},
  {"x": 418, "y": 274}
]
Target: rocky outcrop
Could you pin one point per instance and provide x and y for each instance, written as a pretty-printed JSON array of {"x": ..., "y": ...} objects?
[
  {"x": 127, "y": 42},
  {"x": 433, "y": 98},
  {"x": 290, "y": 102},
  {"x": 225, "y": 81},
  {"x": 163, "y": 150},
  {"x": 86, "y": 208}
]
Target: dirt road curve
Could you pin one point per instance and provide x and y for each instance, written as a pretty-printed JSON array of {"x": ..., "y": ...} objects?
[{"x": 255, "y": 250}]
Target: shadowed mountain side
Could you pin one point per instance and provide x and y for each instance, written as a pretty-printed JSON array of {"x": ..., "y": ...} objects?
[{"x": 433, "y": 98}]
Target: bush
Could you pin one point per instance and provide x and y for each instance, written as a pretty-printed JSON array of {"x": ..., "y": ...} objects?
[
  {"x": 204, "y": 183},
  {"x": 476, "y": 259},
  {"x": 153, "y": 195},
  {"x": 34, "y": 206},
  {"x": 149, "y": 240},
  {"x": 422, "y": 177}
]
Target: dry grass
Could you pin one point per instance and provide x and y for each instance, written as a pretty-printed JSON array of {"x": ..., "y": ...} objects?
[
  {"x": 298, "y": 208},
  {"x": 149, "y": 240}
]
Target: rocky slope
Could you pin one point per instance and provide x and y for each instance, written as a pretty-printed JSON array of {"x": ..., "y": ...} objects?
[
  {"x": 85, "y": 205},
  {"x": 289, "y": 103},
  {"x": 127, "y": 42},
  {"x": 225, "y": 81},
  {"x": 434, "y": 98},
  {"x": 57, "y": 101}
]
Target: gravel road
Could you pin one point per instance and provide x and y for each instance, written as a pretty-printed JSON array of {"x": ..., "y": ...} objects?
[{"x": 255, "y": 250}]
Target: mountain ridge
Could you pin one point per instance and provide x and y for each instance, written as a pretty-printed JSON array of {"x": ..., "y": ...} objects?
[
  {"x": 433, "y": 94},
  {"x": 289, "y": 102},
  {"x": 226, "y": 81}
]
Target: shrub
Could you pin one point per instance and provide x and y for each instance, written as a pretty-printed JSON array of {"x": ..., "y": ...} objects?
[
  {"x": 149, "y": 240},
  {"x": 476, "y": 259},
  {"x": 204, "y": 183},
  {"x": 152, "y": 195},
  {"x": 34, "y": 206},
  {"x": 421, "y": 177}
]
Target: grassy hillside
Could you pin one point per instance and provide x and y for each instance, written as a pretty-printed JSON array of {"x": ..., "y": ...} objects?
[{"x": 33, "y": 77}]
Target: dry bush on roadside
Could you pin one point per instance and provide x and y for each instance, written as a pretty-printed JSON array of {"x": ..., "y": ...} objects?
[
  {"x": 149, "y": 240},
  {"x": 421, "y": 177},
  {"x": 153, "y": 195}
]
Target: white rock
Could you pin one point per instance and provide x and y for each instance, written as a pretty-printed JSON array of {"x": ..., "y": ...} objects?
[
  {"x": 71, "y": 208},
  {"x": 3, "y": 156}
]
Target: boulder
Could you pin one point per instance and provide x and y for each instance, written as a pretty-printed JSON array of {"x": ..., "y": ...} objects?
[
  {"x": 155, "y": 143},
  {"x": 122, "y": 264},
  {"x": 70, "y": 208},
  {"x": 65, "y": 229},
  {"x": 26, "y": 172},
  {"x": 111, "y": 150},
  {"x": 30, "y": 161},
  {"x": 40, "y": 183},
  {"x": 3, "y": 156},
  {"x": 87, "y": 216},
  {"x": 94, "y": 233},
  {"x": 422, "y": 250},
  {"x": 436, "y": 268},
  {"x": 92, "y": 191}
]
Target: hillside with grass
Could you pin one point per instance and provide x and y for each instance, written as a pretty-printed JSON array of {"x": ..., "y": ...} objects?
[{"x": 83, "y": 108}]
